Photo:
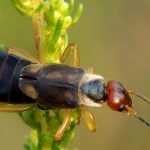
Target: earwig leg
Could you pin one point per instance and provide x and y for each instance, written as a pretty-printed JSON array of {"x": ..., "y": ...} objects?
[
  {"x": 72, "y": 48},
  {"x": 76, "y": 59},
  {"x": 75, "y": 62},
  {"x": 89, "y": 119},
  {"x": 90, "y": 70},
  {"x": 86, "y": 114},
  {"x": 22, "y": 53},
  {"x": 15, "y": 108},
  {"x": 66, "y": 122},
  {"x": 79, "y": 117}
]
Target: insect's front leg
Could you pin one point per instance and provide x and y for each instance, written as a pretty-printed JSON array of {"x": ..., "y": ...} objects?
[
  {"x": 66, "y": 122},
  {"x": 88, "y": 117},
  {"x": 70, "y": 50}
]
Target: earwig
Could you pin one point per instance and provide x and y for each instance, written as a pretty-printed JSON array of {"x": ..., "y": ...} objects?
[{"x": 25, "y": 82}]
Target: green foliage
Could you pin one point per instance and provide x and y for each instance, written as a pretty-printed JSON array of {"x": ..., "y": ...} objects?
[
  {"x": 51, "y": 20},
  {"x": 2, "y": 47},
  {"x": 55, "y": 16}
]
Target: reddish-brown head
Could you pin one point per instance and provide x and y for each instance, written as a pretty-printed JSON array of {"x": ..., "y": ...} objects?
[
  {"x": 118, "y": 99},
  {"x": 117, "y": 96}
]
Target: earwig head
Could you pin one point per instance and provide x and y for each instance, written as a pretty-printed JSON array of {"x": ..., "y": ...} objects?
[{"x": 117, "y": 96}]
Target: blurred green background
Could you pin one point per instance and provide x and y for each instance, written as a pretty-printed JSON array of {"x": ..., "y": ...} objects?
[{"x": 114, "y": 38}]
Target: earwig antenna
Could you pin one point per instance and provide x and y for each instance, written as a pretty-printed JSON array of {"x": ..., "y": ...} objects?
[
  {"x": 142, "y": 97},
  {"x": 132, "y": 112},
  {"x": 142, "y": 120}
]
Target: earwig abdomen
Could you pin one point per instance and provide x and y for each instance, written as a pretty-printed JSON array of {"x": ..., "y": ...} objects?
[
  {"x": 56, "y": 85},
  {"x": 10, "y": 68}
]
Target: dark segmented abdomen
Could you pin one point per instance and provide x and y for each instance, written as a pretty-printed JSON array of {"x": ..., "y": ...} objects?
[
  {"x": 57, "y": 85},
  {"x": 10, "y": 67}
]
